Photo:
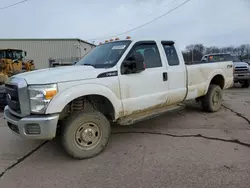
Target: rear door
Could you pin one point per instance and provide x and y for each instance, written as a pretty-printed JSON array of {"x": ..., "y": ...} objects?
[
  {"x": 147, "y": 89},
  {"x": 176, "y": 72}
]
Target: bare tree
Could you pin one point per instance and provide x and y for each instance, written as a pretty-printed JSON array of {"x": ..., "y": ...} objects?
[{"x": 194, "y": 52}]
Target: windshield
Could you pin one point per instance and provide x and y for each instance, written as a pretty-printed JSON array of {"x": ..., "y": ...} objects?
[
  {"x": 234, "y": 58},
  {"x": 14, "y": 54},
  {"x": 105, "y": 55},
  {"x": 223, "y": 57},
  {"x": 2, "y": 54},
  {"x": 11, "y": 54}
]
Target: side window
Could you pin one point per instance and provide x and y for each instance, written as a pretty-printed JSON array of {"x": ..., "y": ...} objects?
[
  {"x": 171, "y": 54},
  {"x": 150, "y": 54}
]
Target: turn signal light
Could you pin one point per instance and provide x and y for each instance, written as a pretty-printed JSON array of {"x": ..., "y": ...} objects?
[
  {"x": 50, "y": 94},
  {"x": 117, "y": 39},
  {"x": 106, "y": 41},
  {"x": 111, "y": 40},
  {"x": 128, "y": 37}
]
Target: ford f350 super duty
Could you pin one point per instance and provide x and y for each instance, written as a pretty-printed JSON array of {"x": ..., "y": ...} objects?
[
  {"x": 123, "y": 81},
  {"x": 241, "y": 69}
]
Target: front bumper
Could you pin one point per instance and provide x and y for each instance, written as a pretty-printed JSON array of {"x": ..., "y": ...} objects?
[
  {"x": 245, "y": 76},
  {"x": 34, "y": 126}
]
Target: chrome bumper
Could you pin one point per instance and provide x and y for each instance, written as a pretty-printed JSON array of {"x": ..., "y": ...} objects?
[
  {"x": 244, "y": 76},
  {"x": 34, "y": 126}
]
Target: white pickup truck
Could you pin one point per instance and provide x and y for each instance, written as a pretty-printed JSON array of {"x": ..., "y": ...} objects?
[{"x": 123, "y": 81}]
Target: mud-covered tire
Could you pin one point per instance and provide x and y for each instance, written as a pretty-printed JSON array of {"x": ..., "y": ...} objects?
[
  {"x": 75, "y": 143},
  {"x": 208, "y": 102},
  {"x": 245, "y": 84}
]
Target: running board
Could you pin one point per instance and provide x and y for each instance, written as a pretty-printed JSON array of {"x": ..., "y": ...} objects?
[{"x": 145, "y": 115}]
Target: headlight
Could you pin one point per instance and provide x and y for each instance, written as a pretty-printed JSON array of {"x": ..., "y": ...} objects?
[{"x": 40, "y": 96}]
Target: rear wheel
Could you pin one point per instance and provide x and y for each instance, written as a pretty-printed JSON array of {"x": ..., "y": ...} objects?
[
  {"x": 85, "y": 134},
  {"x": 212, "y": 101}
]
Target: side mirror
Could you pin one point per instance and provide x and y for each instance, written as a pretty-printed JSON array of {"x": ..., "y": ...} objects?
[{"x": 133, "y": 64}]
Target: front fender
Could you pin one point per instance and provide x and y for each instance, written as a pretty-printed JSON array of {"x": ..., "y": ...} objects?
[{"x": 63, "y": 98}]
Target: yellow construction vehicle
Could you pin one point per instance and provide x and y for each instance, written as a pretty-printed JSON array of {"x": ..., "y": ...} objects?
[
  {"x": 28, "y": 65},
  {"x": 11, "y": 63}
]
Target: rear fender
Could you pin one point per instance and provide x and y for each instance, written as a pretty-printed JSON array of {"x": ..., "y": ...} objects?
[{"x": 212, "y": 75}]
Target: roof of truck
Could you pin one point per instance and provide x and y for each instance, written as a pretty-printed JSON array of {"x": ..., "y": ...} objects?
[
  {"x": 139, "y": 40},
  {"x": 218, "y": 54}
]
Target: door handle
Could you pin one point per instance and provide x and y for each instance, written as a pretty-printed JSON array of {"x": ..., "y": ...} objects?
[
  {"x": 165, "y": 76},
  {"x": 229, "y": 66}
]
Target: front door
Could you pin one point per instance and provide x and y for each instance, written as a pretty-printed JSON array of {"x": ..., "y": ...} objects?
[{"x": 147, "y": 89}]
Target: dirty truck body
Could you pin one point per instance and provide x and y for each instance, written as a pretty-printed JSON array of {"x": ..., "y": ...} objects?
[{"x": 123, "y": 81}]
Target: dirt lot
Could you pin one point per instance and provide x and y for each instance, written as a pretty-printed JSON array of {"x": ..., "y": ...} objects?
[{"x": 188, "y": 148}]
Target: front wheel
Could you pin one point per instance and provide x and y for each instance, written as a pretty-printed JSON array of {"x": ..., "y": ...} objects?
[
  {"x": 245, "y": 84},
  {"x": 85, "y": 134},
  {"x": 212, "y": 101}
]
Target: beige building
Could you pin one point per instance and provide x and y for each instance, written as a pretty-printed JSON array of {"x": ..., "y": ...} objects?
[{"x": 44, "y": 51}]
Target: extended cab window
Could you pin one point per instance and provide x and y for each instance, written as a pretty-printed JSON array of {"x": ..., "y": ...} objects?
[
  {"x": 150, "y": 53},
  {"x": 171, "y": 54},
  {"x": 105, "y": 55}
]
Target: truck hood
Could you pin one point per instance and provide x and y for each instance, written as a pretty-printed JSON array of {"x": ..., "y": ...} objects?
[
  {"x": 60, "y": 74},
  {"x": 240, "y": 64}
]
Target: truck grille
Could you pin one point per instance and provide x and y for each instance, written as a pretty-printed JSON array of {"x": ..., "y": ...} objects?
[
  {"x": 241, "y": 69},
  {"x": 12, "y": 97}
]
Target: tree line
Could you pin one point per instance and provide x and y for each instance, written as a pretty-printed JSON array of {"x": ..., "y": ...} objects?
[{"x": 194, "y": 52}]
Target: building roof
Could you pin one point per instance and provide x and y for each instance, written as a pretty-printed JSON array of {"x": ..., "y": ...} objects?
[
  {"x": 33, "y": 39},
  {"x": 14, "y": 49}
]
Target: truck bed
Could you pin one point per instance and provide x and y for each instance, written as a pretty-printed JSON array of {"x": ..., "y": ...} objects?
[{"x": 199, "y": 75}]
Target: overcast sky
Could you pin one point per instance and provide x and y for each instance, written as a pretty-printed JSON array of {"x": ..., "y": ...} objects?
[{"x": 211, "y": 22}]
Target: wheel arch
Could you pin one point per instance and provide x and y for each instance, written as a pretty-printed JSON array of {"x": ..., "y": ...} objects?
[
  {"x": 217, "y": 78},
  {"x": 87, "y": 91}
]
